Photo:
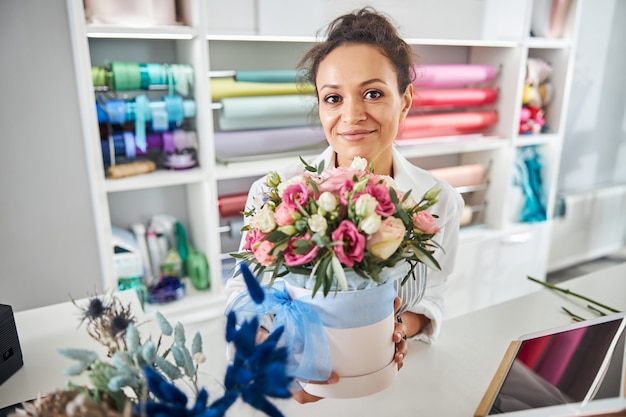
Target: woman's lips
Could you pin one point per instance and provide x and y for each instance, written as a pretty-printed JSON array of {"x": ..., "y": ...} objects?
[{"x": 355, "y": 135}]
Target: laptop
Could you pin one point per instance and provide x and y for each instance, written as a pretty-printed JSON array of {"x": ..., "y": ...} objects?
[{"x": 573, "y": 370}]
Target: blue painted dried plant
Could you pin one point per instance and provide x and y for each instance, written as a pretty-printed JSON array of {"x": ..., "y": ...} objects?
[{"x": 152, "y": 372}]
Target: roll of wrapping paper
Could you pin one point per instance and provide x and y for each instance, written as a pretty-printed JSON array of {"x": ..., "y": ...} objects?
[
  {"x": 461, "y": 175},
  {"x": 268, "y": 76},
  {"x": 446, "y": 124},
  {"x": 452, "y": 75},
  {"x": 130, "y": 169},
  {"x": 239, "y": 113},
  {"x": 232, "y": 205},
  {"x": 229, "y": 87},
  {"x": 454, "y": 97},
  {"x": 263, "y": 141}
]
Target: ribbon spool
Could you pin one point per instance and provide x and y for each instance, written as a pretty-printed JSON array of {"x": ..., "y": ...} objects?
[
  {"x": 125, "y": 76},
  {"x": 99, "y": 76}
]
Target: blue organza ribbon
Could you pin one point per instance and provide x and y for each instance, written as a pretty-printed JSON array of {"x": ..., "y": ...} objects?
[
  {"x": 303, "y": 333},
  {"x": 304, "y": 320}
]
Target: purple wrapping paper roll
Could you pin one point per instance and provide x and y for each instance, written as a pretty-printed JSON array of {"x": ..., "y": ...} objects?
[{"x": 264, "y": 141}]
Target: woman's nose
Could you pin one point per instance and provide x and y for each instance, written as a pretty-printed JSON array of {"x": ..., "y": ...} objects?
[{"x": 352, "y": 111}]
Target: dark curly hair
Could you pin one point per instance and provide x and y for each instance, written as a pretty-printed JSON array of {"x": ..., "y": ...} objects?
[{"x": 364, "y": 26}]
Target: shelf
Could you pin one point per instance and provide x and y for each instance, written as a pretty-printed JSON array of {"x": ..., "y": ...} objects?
[
  {"x": 449, "y": 145},
  {"x": 195, "y": 307},
  {"x": 548, "y": 43},
  {"x": 464, "y": 42},
  {"x": 158, "y": 178},
  {"x": 233, "y": 170},
  {"x": 154, "y": 32},
  {"x": 541, "y": 139},
  {"x": 262, "y": 38}
]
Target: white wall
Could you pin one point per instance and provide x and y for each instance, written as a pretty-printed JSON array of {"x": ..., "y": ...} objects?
[
  {"x": 48, "y": 247},
  {"x": 594, "y": 153}
]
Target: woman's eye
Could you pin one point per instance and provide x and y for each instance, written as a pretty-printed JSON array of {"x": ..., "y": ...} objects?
[
  {"x": 371, "y": 94},
  {"x": 332, "y": 99}
]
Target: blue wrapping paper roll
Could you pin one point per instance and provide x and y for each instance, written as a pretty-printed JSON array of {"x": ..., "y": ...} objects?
[{"x": 263, "y": 141}]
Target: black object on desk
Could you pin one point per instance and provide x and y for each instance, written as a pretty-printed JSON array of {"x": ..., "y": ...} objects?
[{"x": 10, "y": 351}]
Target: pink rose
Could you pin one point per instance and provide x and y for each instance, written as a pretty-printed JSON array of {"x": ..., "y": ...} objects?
[
  {"x": 252, "y": 237},
  {"x": 387, "y": 239},
  {"x": 295, "y": 193},
  {"x": 262, "y": 253},
  {"x": 425, "y": 223},
  {"x": 334, "y": 179},
  {"x": 284, "y": 215},
  {"x": 380, "y": 192},
  {"x": 292, "y": 255},
  {"x": 353, "y": 243}
]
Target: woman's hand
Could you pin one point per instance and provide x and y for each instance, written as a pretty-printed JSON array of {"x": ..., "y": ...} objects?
[
  {"x": 399, "y": 336},
  {"x": 304, "y": 397}
]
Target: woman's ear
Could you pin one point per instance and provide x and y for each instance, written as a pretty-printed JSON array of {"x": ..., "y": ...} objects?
[{"x": 407, "y": 102}]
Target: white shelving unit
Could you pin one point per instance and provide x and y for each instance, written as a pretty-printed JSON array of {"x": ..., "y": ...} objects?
[{"x": 495, "y": 253}]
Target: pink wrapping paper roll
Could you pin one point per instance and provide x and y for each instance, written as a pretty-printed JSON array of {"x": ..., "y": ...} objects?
[
  {"x": 446, "y": 124},
  {"x": 455, "y": 97},
  {"x": 461, "y": 175},
  {"x": 231, "y": 205},
  {"x": 452, "y": 75}
]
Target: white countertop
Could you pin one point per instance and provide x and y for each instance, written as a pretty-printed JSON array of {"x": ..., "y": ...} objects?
[{"x": 447, "y": 378}]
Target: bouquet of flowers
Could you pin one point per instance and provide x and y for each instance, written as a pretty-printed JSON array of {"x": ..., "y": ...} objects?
[{"x": 325, "y": 222}]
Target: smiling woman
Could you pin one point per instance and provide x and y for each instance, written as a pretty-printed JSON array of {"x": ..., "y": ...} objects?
[{"x": 362, "y": 75}]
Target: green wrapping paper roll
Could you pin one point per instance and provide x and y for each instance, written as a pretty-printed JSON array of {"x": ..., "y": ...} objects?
[
  {"x": 267, "y": 111},
  {"x": 228, "y": 87}
]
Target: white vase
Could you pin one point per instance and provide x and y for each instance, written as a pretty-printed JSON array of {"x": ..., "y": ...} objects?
[{"x": 362, "y": 356}]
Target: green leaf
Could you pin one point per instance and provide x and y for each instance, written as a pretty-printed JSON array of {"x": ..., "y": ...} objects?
[{"x": 425, "y": 257}]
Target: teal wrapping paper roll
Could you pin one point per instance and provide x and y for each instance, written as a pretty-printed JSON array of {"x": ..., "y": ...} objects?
[
  {"x": 267, "y": 112},
  {"x": 268, "y": 106},
  {"x": 268, "y": 76}
]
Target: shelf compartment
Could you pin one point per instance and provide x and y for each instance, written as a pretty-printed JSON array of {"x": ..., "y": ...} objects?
[
  {"x": 158, "y": 178},
  {"x": 153, "y": 32}
]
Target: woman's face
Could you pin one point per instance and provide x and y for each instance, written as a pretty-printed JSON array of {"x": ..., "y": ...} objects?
[{"x": 359, "y": 104}]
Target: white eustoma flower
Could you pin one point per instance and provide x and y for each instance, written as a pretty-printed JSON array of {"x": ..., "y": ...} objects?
[
  {"x": 298, "y": 179},
  {"x": 365, "y": 205},
  {"x": 264, "y": 219},
  {"x": 317, "y": 223},
  {"x": 389, "y": 181},
  {"x": 371, "y": 224},
  {"x": 359, "y": 163},
  {"x": 327, "y": 201}
]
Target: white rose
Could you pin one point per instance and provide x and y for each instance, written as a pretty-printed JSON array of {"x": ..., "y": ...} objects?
[
  {"x": 264, "y": 219},
  {"x": 359, "y": 163},
  {"x": 365, "y": 205},
  {"x": 371, "y": 224},
  {"x": 327, "y": 201},
  {"x": 317, "y": 223}
]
